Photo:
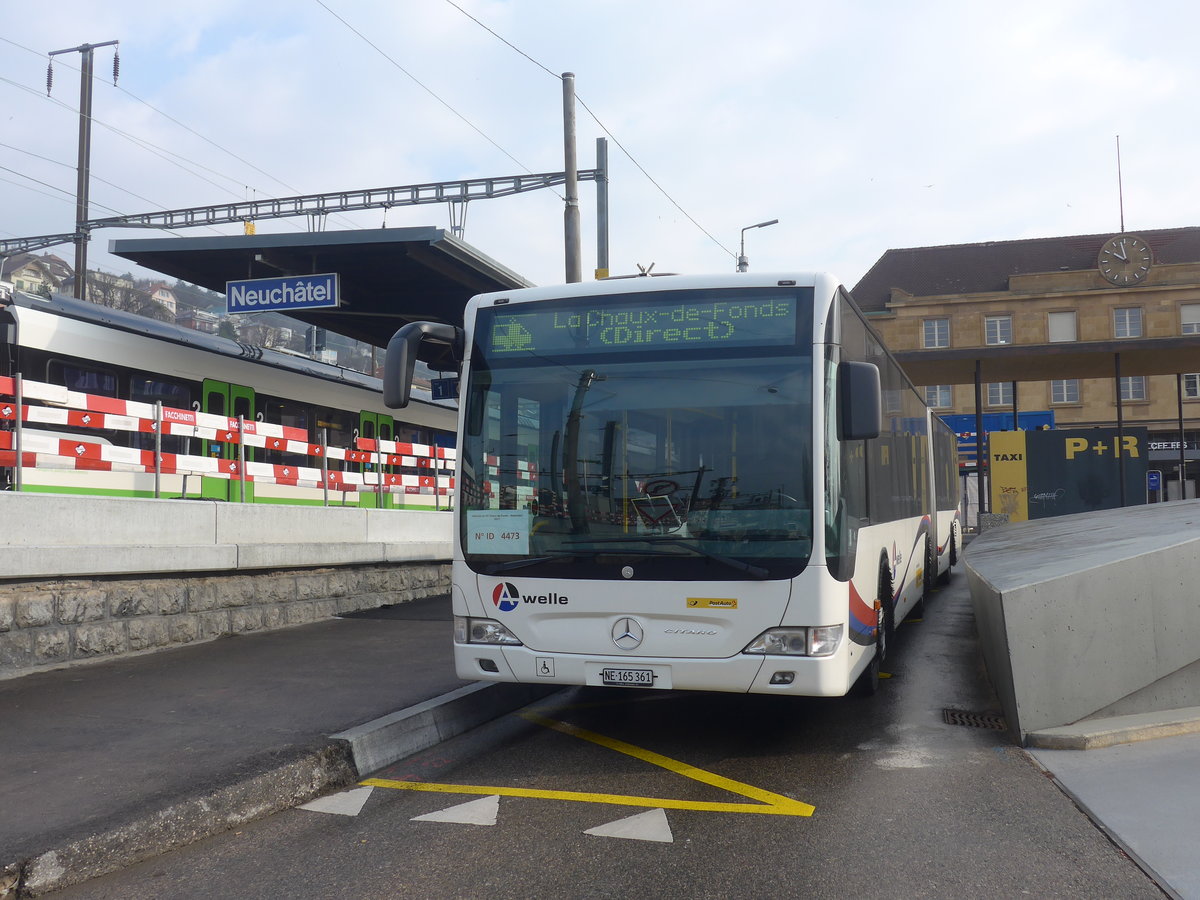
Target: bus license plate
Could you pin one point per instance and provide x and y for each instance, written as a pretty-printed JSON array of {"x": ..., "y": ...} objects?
[{"x": 628, "y": 676}]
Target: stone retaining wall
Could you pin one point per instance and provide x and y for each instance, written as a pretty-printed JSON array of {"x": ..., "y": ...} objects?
[{"x": 54, "y": 622}]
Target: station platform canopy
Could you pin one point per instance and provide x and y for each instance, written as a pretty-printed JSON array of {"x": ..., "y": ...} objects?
[{"x": 388, "y": 276}]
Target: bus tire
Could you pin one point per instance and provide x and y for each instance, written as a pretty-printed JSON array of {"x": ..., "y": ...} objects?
[
  {"x": 928, "y": 579},
  {"x": 868, "y": 682},
  {"x": 887, "y": 603},
  {"x": 944, "y": 578}
]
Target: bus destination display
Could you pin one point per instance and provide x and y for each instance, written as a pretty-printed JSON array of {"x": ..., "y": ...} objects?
[{"x": 659, "y": 324}]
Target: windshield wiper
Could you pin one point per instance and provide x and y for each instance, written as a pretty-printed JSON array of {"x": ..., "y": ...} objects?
[
  {"x": 757, "y": 572},
  {"x": 494, "y": 568}
]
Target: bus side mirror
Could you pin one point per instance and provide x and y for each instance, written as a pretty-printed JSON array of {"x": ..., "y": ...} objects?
[
  {"x": 860, "y": 410},
  {"x": 401, "y": 357}
]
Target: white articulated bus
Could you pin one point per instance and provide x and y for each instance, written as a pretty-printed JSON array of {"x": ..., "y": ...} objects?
[{"x": 716, "y": 483}]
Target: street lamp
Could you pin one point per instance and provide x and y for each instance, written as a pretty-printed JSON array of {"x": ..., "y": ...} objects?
[{"x": 742, "y": 263}]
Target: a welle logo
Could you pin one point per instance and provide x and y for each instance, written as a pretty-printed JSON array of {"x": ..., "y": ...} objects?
[{"x": 507, "y": 597}]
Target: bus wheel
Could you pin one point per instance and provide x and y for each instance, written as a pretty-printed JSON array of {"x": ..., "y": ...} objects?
[
  {"x": 944, "y": 578},
  {"x": 928, "y": 579},
  {"x": 885, "y": 626}
]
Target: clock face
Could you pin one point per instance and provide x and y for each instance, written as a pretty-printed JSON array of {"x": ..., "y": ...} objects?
[{"x": 1125, "y": 259}]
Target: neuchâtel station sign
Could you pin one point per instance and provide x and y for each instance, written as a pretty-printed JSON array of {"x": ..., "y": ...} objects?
[
  {"x": 1038, "y": 474},
  {"x": 282, "y": 294}
]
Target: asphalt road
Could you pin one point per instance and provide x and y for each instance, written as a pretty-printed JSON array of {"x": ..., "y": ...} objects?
[{"x": 903, "y": 804}]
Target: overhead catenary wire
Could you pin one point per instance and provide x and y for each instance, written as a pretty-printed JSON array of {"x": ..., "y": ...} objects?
[
  {"x": 171, "y": 157},
  {"x": 595, "y": 118},
  {"x": 427, "y": 89}
]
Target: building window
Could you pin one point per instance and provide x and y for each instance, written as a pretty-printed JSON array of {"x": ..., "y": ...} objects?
[
  {"x": 1127, "y": 323},
  {"x": 937, "y": 333},
  {"x": 1065, "y": 391},
  {"x": 1060, "y": 327},
  {"x": 939, "y": 396},
  {"x": 1191, "y": 387},
  {"x": 997, "y": 329},
  {"x": 1133, "y": 387},
  {"x": 999, "y": 393},
  {"x": 1189, "y": 315}
]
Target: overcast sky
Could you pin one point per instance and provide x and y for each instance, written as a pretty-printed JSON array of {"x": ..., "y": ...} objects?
[{"x": 861, "y": 126}]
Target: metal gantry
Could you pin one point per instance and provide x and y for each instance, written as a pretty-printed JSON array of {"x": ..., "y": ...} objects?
[{"x": 453, "y": 192}]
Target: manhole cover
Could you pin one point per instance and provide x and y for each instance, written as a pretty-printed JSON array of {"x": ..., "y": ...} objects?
[{"x": 994, "y": 721}]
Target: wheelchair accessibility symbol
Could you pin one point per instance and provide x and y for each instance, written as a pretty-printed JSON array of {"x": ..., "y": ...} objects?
[{"x": 545, "y": 666}]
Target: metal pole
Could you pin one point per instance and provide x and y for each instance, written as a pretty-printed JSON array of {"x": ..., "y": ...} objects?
[
  {"x": 19, "y": 394},
  {"x": 379, "y": 472},
  {"x": 85, "y": 151},
  {"x": 1120, "y": 428},
  {"x": 981, "y": 500},
  {"x": 158, "y": 421},
  {"x": 574, "y": 264},
  {"x": 81, "y": 187},
  {"x": 242, "y": 459},
  {"x": 601, "y": 208},
  {"x": 1182, "y": 439},
  {"x": 325, "y": 465},
  {"x": 1016, "y": 418}
]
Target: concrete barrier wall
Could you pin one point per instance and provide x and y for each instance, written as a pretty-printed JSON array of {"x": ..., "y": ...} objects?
[
  {"x": 1090, "y": 615},
  {"x": 48, "y": 535},
  {"x": 85, "y": 578}
]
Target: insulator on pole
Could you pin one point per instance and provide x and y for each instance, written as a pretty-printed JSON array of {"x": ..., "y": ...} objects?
[
  {"x": 116, "y": 65},
  {"x": 49, "y": 76}
]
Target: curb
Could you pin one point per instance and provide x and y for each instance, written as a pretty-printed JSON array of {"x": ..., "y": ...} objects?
[
  {"x": 349, "y": 756},
  {"x": 390, "y": 738},
  {"x": 1096, "y": 734}
]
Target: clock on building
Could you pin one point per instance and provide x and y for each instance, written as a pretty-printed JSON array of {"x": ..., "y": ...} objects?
[{"x": 1125, "y": 259}]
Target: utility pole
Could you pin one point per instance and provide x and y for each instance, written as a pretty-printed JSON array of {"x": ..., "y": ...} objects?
[
  {"x": 574, "y": 267},
  {"x": 85, "y": 151}
]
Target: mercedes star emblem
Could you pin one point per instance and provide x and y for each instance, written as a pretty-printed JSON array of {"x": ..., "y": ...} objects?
[{"x": 627, "y": 634}]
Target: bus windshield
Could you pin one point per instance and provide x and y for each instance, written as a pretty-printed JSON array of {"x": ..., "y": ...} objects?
[{"x": 693, "y": 465}]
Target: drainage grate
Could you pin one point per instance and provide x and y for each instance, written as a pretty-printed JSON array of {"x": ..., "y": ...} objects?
[{"x": 995, "y": 721}]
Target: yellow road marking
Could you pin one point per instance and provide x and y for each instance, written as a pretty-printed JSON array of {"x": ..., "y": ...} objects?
[
  {"x": 769, "y": 803},
  {"x": 800, "y": 809}
]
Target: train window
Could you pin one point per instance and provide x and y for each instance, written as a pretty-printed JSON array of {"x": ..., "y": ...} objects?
[
  {"x": 86, "y": 379},
  {"x": 340, "y": 427},
  {"x": 293, "y": 415},
  {"x": 411, "y": 434},
  {"x": 172, "y": 395}
]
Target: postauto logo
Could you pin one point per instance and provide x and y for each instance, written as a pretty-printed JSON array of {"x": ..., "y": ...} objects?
[{"x": 506, "y": 596}]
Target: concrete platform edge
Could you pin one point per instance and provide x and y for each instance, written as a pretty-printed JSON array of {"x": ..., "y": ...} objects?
[
  {"x": 390, "y": 738},
  {"x": 187, "y": 821},
  {"x": 349, "y": 756},
  {"x": 1096, "y": 734}
]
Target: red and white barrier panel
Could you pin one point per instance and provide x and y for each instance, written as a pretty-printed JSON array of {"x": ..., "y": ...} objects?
[
  {"x": 94, "y": 411},
  {"x": 42, "y": 451}
]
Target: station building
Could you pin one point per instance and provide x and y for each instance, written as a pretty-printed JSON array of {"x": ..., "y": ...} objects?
[{"x": 1100, "y": 329}]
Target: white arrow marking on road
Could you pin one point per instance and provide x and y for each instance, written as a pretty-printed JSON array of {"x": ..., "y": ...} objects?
[
  {"x": 474, "y": 812},
  {"x": 347, "y": 803},
  {"x": 647, "y": 826}
]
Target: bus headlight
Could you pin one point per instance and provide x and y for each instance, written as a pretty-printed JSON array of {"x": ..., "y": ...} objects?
[
  {"x": 482, "y": 631},
  {"x": 817, "y": 641}
]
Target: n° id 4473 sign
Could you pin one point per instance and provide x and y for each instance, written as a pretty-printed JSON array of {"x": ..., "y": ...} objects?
[{"x": 282, "y": 294}]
